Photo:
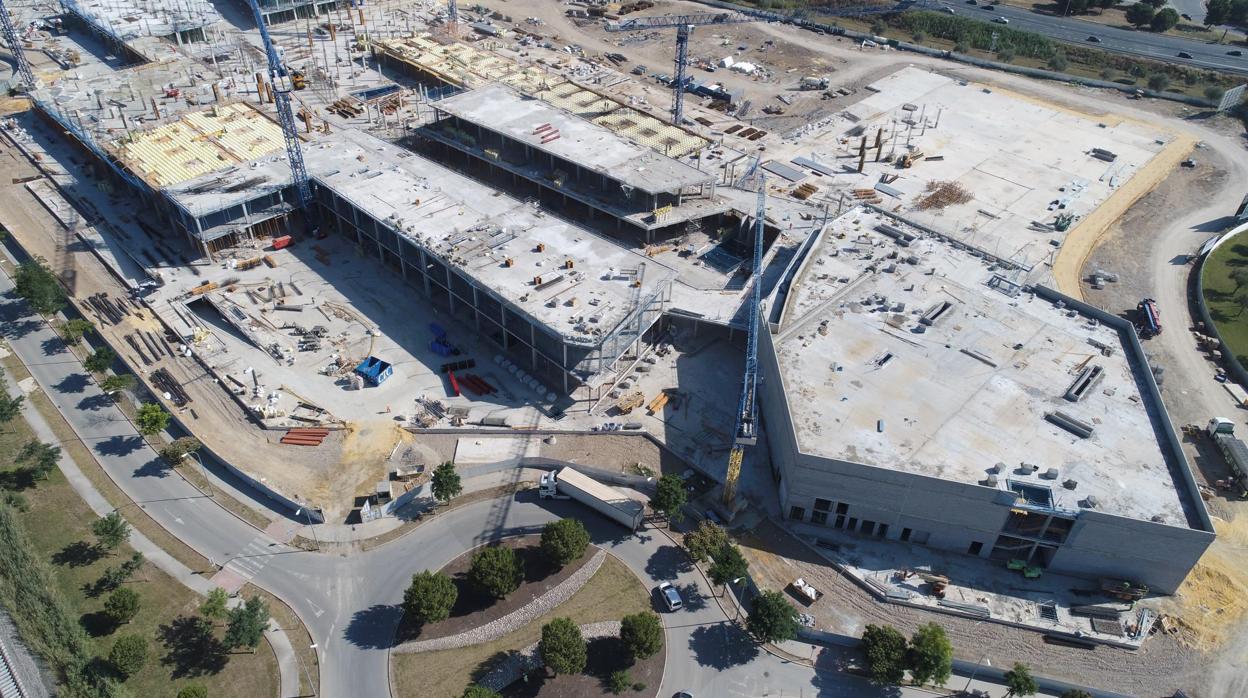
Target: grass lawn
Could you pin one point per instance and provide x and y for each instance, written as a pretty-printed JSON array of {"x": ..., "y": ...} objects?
[
  {"x": 1221, "y": 294},
  {"x": 58, "y": 526},
  {"x": 612, "y": 593}
]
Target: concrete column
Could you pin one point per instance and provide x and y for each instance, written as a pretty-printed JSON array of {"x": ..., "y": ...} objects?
[
  {"x": 424, "y": 273},
  {"x": 533, "y": 345},
  {"x": 450, "y": 295},
  {"x": 476, "y": 309}
]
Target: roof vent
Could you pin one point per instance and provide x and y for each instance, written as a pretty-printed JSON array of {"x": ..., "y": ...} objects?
[
  {"x": 990, "y": 481},
  {"x": 1157, "y": 518},
  {"x": 1091, "y": 502},
  {"x": 998, "y": 468},
  {"x": 1050, "y": 474},
  {"x": 1070, "y": 484}
]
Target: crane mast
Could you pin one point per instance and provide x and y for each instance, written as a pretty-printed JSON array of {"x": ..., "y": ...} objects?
[{"x": 24, "y": 72}]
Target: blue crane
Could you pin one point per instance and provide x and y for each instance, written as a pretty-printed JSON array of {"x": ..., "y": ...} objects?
[
  {"x": 24, "y": 72},
  {"x": 746, "y": 431},
  {"x": 285, "y": 117},
  {"x": 684, "y": 25}
]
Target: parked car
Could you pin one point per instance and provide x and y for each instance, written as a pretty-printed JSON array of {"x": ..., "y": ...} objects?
[
  {"x": 1094, "y": 39},
  {"x": 972, "y": 2},
  {"x": 1184, "y": 54},
  {"x": 1236, "y": 52},
  {"x": 671, "y": 597},
  {"x": 948, "y": 10},
  {"x": 1001, "y": 20}
]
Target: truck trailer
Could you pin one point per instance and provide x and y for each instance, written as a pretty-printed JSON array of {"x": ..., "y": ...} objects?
[
  {"x": 1222, "y": 431},
  {"x": 567, "y": 483},
  {"x": 1148, "y": 318}
]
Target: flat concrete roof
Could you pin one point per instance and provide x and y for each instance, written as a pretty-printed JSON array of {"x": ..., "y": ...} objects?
[
  {"x": 583, "y": 142},
  {"x": 128, "y": 19},
  {"x": 478, "y": 229},
  {"x": 919, "y": 365}
]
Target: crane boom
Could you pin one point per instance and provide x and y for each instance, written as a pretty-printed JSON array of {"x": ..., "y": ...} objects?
[
  {"x": 285, "y": 117},
  {"x": 15, "y": 47}
]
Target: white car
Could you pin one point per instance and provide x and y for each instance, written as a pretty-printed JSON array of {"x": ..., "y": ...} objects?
[
  {"x": 671, "y": 597},
  {"x": 1001, "y": 20}
]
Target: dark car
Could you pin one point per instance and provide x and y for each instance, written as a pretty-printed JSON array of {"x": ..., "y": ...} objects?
[
  {"x": 1094, "y": 39},
  {"x": 1236, "y": 52},
  {"x": 972, "y": 2},
  {"x": 1184, "y": 54}
]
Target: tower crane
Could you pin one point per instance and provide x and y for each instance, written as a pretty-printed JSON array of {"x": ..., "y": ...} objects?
[
  {"x": 285, "y": 117},
  {"x": 746, "y": 431},
  {"x": 452, "y": 17},
  {"x": 24, "y": 72},
  {"x": 684, "y": 25}
]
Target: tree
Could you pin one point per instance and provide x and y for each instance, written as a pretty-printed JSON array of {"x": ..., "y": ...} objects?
[
  {"x": 111, "y": 530},
  {"x": 703, "y": 541},
  {"x": 475, "y": 691},
  {"x": 446, "y": 483},
  {"x": 1058, "y": 61},
  {"x": 1106, "y": 4},
  {"x": 247, "y": 624},
  {"x": 1005, "y": 54},
  {"x": 128, "y": 655},
  {"x": 1238, "y": 13},
  {"x": 930, "y": 655},
  {"x": 217, "y": 605},
  {"x": 729, "y": 565},
  {"x": 878, "y": 27},
  {"x": 642, "y": 634},
  {"x": 39, "y": 458},
  {"x": 496, "y": 571},
  {"x": 100, "y": 360},
  {"x": 35, "y": 282},
  {"x": 114, "y": 577},
  {"x": 151, "y": 419},
  {"x": 10, "y": 407},
  {"x": 562, "y": 648},
  {"x": 1164, "y": 20},
  {"x": 194, "y": 690},
  {"x": 1217, "y": 12},
  {"x": 430, "y": 597},
  {"x": 772, "y": 619},
  {"x": 885, "y": 649},
  {"x": 1213, "y": 93},
  {"x": 175, "y": 453},
  {"x": 1140, "y": 14},
  {"x": 122, "y": 605},
  {"x": 1157, "y": 82},
  {"x": 1020, "y": 682},
  {"x": 73, "y": 330},
  {"x": 669, "y": 498},
  {"x": 564, "y": 540},
  {"x": 117, "y": 383}
]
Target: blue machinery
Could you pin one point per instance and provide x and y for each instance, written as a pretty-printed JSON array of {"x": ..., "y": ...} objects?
[
  {"x": 281, "y": 98},
  {"x": 25, "y": 74},
  {"x": 684, "y": 25}
]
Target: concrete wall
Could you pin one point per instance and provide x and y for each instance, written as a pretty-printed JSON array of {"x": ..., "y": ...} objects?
[{"x": 1112, "y": 546}]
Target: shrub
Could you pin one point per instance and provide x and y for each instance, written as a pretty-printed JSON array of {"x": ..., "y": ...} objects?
[
  {"x": 619, "y": 681},
  {"x": 175, "y": 453},
  {"x": 430, "y": 597},
  {"x": 496, "y": 571},
  {"x": 475, "y": 691},
  {"x": 110, "y": 531},
  {"x": 151, "y": 419},
  {"x": 195, "y": 690},
  {"x": 129, "y": 655},
  {"x": 562, "y": 648},
  {"x": 1158, "y": 82},
  {"x": 99, "y": 360},
  {"x": 564, "y": 540},
  {"x": 703, "y": 541},
  {"x": 117, "y": 383},
  {"x": 122, "y": 605},
  {"x": 72, "y": 331},
  {"x": 642, "y": 634},
  {"x": 217, "y": 605},
  {"x": 446, "y": 484},
  {"x": 1020, "y": 682}
]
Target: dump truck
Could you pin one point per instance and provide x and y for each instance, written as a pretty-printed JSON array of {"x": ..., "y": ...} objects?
[
  {"x": 1222, "y": 431},
  {"x": 1148, "y": 318},
  {"x": 567, "y": 483}
]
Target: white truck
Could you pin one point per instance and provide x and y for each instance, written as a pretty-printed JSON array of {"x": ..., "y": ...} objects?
[{"x": 567, "y": 483}]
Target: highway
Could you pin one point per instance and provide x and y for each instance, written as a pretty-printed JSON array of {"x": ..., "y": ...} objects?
[{"x": 1139, "y": 43}]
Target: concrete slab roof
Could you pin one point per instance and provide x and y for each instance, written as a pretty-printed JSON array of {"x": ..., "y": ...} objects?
[
  {"x": 501, "y": 242},
  {"x": 128, "y": 19},
  {"x": 572, "y": 138},
  {"x": 912, "y": 358}
]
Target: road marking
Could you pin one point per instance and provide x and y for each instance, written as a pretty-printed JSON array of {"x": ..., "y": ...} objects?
[
  {"x": 316, "y": 610},
  {"x": 178, "y": 520}
]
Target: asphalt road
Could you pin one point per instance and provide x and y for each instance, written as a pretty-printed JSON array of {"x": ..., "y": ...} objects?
[{"x": 1139, "y": 43}]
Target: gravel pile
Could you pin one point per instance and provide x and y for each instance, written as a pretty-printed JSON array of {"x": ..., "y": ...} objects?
[
  {"x": 517, "y": 664},
  {"x": 516, "y": 619}
]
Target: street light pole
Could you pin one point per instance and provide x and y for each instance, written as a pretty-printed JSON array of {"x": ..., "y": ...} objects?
[
  {"x": 306, "y": 675},
  {"x": 982, "y": 661},
  {"x": 312, "y": 527},
  {"x": 203, "y": 471}
]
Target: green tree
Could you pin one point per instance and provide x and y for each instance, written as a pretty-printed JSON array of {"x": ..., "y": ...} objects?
[
  {"x": 1217, "y": 12},
  {"x": 99, "y": 360},
  {"x": 175, "y": 453},
  {"x": 247, "y": 624},
  {"x": 111, "y": 530},
  {"x": 475, "y": 691},
  {"x": 1158, "y": 82},
  {"x": 619, "y": 681},
  {"x": 194, "y": 690},
  {"x": 1238, "y": 13},
  {"x": 1141, "y": 14},
  {"x": 114, "y": 577},
  {"x": 772, "y": 619},
  {"x": 216, "y": 606},
  {"x": 496, "y": 571},
  {"x": 446, "y": 483},
  {"x": 1213, "y": 93},
  {"x": 72, "y": 331},
  {"x": 35, "y": 282},
  {"x": 564, "y": 540},
  {"x": 151, "y": 419},
  {"x": 1058, "y": 62},
  {"x": 1164, "y": 20},
  {"x": 930, "y": 655},
  {"x": 641, "y": 634},
  {"x": 430, "y": 597},
  {"x": 10, "y": 407},
  {"x": 703, "y": 541},
  {"x": 885, "y": 649},
  {"x": 878, "y": 27},
  {"x": 669, "y": 498},
  {"x": 122, "y": 605},
  {"x": 1020, "y": 682},
  {"x": 39, "y": 458},
  {"x": 562, "y": 648},
  {"x": 117, "y": 383},
  {"x": 729, "y": 564},
  {"x": 129, "y": 655}
]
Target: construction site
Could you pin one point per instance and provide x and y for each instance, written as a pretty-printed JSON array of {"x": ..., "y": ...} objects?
[{"x": 833, "y": 286}]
